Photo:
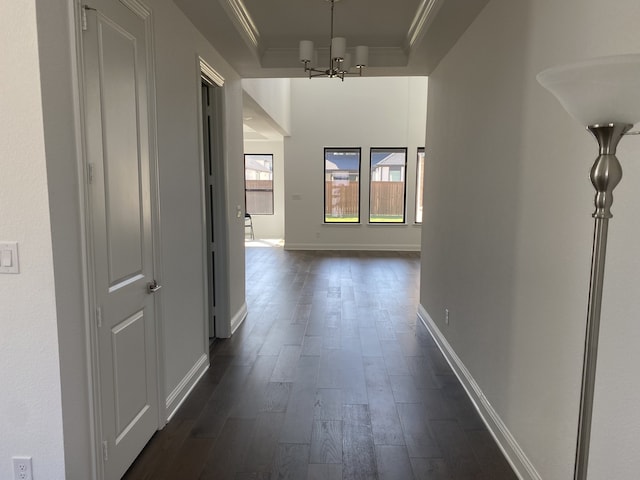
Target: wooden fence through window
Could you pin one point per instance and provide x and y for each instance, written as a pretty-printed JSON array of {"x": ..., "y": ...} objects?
[
  {"x": 387, "y": 199},
  {"x": 341, "y": 199},
  {"x": 259, "y": 197}
]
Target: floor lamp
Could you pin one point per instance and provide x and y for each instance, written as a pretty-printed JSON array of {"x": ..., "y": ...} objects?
[{"x": 604, "y": 95}]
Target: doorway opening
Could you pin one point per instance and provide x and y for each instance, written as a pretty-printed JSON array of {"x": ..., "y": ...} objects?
[{"x": 214, "y": 201}]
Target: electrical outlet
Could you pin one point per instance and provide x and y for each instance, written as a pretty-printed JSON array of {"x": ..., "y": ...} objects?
[
  {"x": 446, "y": 316},
  {"x": 22, "y": 468}
]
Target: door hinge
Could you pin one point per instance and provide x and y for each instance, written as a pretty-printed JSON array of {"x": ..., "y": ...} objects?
[
  {"x": 84, "y": 17},
  {"x": 90, "y": 173},
  {"x": 99, "y": 316},
  {"x": 105, "y": 451}
]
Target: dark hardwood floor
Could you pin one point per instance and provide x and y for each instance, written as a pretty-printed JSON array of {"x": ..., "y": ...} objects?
[{"x": 331, "y": 376}]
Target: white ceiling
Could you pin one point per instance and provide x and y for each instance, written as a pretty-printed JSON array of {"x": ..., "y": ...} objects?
[{"x": 260, "y": 38}]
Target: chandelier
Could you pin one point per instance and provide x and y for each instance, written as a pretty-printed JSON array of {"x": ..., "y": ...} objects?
[{"x": 339, "y": 58}]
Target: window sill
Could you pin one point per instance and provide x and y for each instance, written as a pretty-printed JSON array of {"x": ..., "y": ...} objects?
[
  {"x": 368, "y": 224},
  {"x": 390, "y": 224},
  {"x": 342, "y": 224}
]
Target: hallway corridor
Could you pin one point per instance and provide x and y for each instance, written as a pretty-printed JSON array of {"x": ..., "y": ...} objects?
[{"x": 331, "y": 376}]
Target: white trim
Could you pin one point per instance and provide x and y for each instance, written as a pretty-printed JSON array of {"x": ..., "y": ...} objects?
[
  {"x": 210, "y": 72},
  {"x": 92, "y": 372},
  {"x": 222, "y": 328},
  {"x": 358, "y": 246},
  {"x": 244, "y": 25},
  {"x": 239, "y": 317},
  {"x": 243, "y": 22},
  {"x": 501, "y": 434},
  {"x": 137, "y": 7},
  {"x": 179, "y": 394},
  {"x": 422, "y": 19},
  {"x": 156, "y": 226},
  {"x": 93, "y": 367},
  {"x": 200, "y": 63}
]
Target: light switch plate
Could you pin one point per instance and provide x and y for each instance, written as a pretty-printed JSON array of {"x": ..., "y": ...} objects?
[{"x": 9, "y": 257}]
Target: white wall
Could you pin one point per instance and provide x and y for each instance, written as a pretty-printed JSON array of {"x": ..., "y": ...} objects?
[
  {"x": 178, "y": 45},
  {"x": 274, "y": 96},
  {"x": 359, "y": 112},
  {"x": 270, "y": 226},
  {"x": 507, "y": 232},
  {"x": 59, "y": 90},
  {"x": 30, "y": 403},
  {"x": 43, "y": 346}
]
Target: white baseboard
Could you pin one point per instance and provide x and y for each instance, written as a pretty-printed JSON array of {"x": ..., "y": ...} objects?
[
  {"x": 184, "y": 387},
  {"x": 354, "y": 247},
  {"x": 507, "y": 443},
  {"x": 238, "y": 318}
]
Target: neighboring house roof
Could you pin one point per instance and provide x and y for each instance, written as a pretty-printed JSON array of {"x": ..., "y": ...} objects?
[
  {"x": 253, "y": 164},
  {"x": 329, "y": 165},
  {"x": 393, "y": 159},
  {"x": 342, "y": 164}
]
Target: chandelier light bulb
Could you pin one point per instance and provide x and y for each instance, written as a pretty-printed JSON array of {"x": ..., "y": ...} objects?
[
  {"x": 362, "y": 56},
  {"x": 306, "y": 50},
  {"x": 338, "y": 48}
]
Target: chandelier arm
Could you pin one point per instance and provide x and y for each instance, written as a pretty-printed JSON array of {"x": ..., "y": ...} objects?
[
  {"x": 323, "y": 71},
  {"x": 319, "y": 73}
]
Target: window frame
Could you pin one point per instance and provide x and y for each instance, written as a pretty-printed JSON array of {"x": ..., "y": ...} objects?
[
  {"x": 419, "y": 182},
  {"x": 272, "y": 183},
  {"x": 324, "y": 184},
  {"x": 404, "y": 150}
]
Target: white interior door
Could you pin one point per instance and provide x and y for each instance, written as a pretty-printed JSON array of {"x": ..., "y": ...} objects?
[{"x": 117, "y": 140}]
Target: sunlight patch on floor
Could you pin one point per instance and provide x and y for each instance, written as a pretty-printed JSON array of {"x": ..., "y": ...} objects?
[{"x": 264, "y": 242}]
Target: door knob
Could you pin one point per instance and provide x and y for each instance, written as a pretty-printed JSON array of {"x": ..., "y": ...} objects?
[{"x": 153, "y": 287}]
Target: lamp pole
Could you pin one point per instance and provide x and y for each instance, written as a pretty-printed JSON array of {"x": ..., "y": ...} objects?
[{"x": 605, "y": 175}]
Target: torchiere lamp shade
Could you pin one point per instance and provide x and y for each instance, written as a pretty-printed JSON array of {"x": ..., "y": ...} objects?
[{"x": 598, "y": 91}]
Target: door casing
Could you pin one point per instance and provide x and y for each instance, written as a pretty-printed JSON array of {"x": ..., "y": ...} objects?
[{"x": 206, "y": 74}]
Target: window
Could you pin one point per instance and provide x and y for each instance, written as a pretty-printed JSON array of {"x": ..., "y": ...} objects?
[
  {"x": 342, "y": 185},
  {"x": 387, "y": 186},
  {"x": 419, "y": 184},
  {"x": 258, "y": 184}
]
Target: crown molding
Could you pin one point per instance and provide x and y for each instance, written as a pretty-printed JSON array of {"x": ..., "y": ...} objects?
[
  {"x": 137, "y": 7},
  {"x": 243, "y": 22},
  {"x": 210, "y": 72},
  {"x": 421, "y": 21}
]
